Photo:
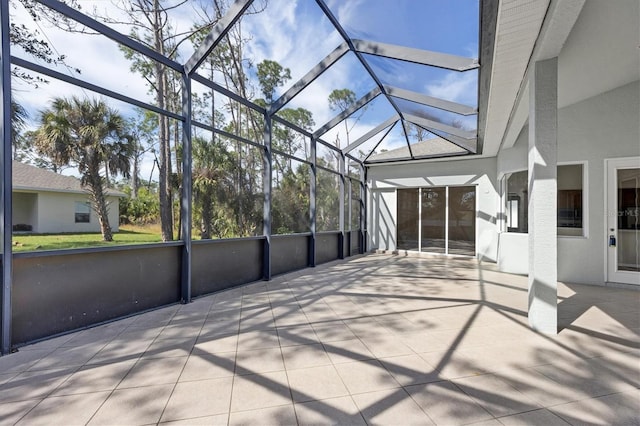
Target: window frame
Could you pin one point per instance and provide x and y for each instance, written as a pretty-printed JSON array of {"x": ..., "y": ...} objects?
[
  {"x": 585, "y": 199},
  {"x": 86, "y": 204},
  {"x": 476, "y": 209}
]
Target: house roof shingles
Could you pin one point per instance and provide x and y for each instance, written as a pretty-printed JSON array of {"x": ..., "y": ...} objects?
[
  {"x": 423, "y": 149},
  {"x": 27, "y": 177}
]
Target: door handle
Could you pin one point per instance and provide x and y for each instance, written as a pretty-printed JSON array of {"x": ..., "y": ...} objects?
[{"x": 612, "y": 241}]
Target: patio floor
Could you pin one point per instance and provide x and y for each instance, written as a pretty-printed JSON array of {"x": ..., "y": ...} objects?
[{"x": 376, "y": 339}]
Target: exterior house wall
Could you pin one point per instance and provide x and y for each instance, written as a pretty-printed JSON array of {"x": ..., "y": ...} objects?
[
  {"x": 56, "y": 213},
  {"x": 382, "y": 200},
  {"x": 590, "y": 131},
  {"x": 24, "y": 209}
]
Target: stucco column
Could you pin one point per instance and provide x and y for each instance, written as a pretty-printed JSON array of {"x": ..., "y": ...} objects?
[{"x": 543, "y": 189}]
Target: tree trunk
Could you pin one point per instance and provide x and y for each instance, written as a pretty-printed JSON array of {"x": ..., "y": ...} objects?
[
  {"x": 99, "y": 202},
  {"x": 135, "y": 180},
  {"x": 103, "y": 218},
  {"x": 164, "y": 166},
  {"x": 106, "y": 174},
  {"x": 207, "y": 217}
]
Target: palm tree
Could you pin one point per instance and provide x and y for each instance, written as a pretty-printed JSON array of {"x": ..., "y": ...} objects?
[
  {"x": 90, "y": 135},
  {"x": 212, "y": 185}
]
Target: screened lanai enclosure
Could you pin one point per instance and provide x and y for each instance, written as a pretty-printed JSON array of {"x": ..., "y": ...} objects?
[{"x": 250, "y": 124}]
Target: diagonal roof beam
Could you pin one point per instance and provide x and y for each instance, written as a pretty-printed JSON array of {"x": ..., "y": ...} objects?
[
  {"x": 109, "y": 32},
  {"x": 354, "y": 159},
  {"x": 465, "y": 144},
  {"x": 315, "y": 72},
  {"x": 347, "y": 112},
  {"x": 418, "y": 56},
  {"x": 371, "y": 133},
  {"x": 430, "y": 101},
  {"x": 425, "y": 122},
  {"x": 334, "y": 21},
  {"x": 226, "y": 92},
  {"x": 380, "y": 141},
  {"x": 219, "y": 30},
  {"x": 462, "y": 143}
]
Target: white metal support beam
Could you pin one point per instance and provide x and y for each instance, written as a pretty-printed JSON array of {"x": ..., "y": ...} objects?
[
  {"x": 430, "y": 101},
  {"x": 425, "y": 122},
  {"x": 543, "y": 192},
  {"x": 417, "y": 56}
]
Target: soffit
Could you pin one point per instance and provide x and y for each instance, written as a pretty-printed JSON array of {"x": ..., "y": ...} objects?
[{"x": 518, "y": 26}]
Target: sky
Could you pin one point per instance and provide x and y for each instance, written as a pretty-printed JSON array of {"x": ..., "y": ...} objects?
[{"x": 296, "y": 34}]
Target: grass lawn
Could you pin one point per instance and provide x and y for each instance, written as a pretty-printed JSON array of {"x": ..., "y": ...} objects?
[{"x": 128, "y": 234}]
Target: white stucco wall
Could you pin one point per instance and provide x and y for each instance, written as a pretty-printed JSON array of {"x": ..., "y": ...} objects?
[
  {"x": 56, "y": 213},
  {"x": 381, "y": 197},
  {"x": 601, "y": 127},
  {"x": 24, "y": 209}
]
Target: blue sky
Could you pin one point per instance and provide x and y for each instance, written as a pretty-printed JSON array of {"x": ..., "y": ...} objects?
[{"x": 296, "y": 34}]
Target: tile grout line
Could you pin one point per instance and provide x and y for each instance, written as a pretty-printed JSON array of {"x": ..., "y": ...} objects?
[
  {"x": 68, "y": 378},
  {"x": 129, "y": 372},
  {"x": 332, "y": 364},
  {"x": 175, "y": 385},
  {"x": 284, "y": 365}
]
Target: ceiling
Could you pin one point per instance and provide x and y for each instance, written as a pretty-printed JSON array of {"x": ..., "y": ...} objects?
[{"x": 586, "y": 57}]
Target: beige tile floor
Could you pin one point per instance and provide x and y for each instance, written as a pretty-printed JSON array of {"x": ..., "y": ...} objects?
[{"x": 376, "y": 339}]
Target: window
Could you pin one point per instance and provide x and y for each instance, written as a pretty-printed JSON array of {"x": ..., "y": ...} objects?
[
  {"x": 408, "y": 219},
  {"x": 83, "y": 212},
  {"x": 570, "y": 200},
  {"x": 517, "y": 202}
]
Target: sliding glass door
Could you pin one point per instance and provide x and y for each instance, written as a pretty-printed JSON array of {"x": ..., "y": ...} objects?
[
  {"x": 462, "y": 220},
  {"x": 407, "y": 232},
  {"x": 433, "y": 220},
  {"x": 437, "y": 220}
]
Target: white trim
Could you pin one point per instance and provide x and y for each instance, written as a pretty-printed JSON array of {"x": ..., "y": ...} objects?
[
  {"x": 476, "y": 208},
  {"x": 624, "y": 278},
  {"x": 419, "y": 220},
  {"x": 585, "y": 199},
  {"x": 446, "y": 219},
  {"x": 33, "y": 189}
]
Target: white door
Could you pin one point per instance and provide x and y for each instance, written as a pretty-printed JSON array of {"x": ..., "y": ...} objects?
[{"x": 623, "y": 220}]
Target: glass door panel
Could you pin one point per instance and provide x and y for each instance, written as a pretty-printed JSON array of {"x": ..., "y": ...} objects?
[
  {"x": 628, "y": 246},
  {"x": 623, "y": 220},
  {"x": 407, "y": 238},
  {"x": 433, "y": 215},
  {"x": 462, "y": 220}
]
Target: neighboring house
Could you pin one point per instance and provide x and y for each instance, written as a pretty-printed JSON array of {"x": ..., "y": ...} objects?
[{"x": 48, "y": 202}]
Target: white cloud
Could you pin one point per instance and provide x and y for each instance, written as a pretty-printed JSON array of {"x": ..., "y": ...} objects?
[
  {"x": 456, "y": 87},
  {"x": 283, "y": 34},
  {"x": 347, "y": 11},
  {"x": 98, "y": 58}
]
